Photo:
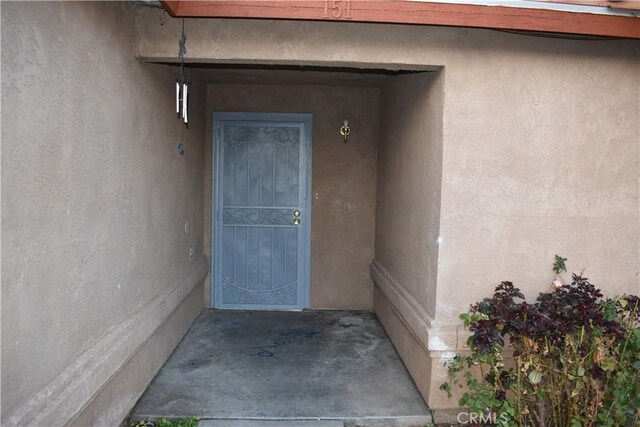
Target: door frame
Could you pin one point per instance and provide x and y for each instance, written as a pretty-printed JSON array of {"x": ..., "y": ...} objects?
[{"x": 216, "y": 211}]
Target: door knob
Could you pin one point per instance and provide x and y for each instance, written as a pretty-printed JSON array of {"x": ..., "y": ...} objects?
[
  {"x": 296, "y": 221},
  {"x": 296, "y": 213}
]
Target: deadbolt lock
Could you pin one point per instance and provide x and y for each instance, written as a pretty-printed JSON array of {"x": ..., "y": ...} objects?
[
  {"x": 296, "y": 221},
  {"x": 296, "y": 213}
]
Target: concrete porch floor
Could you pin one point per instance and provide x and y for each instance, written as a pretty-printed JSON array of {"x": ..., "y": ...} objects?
[{"x": 330, "y": 367}]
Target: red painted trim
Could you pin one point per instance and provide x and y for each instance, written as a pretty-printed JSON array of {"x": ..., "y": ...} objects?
[
  {"x": 617, "y": 4},
  {"x": 171, "y": 6},
  {"x": 411, "y": 12}
]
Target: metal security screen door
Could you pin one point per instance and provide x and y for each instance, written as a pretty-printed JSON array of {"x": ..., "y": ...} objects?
[{"x": 262, "y": 211}]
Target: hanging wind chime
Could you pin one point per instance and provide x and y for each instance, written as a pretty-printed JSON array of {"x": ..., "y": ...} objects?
[{"x": 182, "y": 86}]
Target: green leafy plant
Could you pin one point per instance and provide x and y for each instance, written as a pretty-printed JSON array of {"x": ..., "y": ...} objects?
[
  {"x": 164, "y": 422},
  {"x": 575, "y": 362},
  {"x": 559, "y": 265}
]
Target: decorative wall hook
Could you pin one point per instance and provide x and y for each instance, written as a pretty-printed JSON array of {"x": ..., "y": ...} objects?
[{"x": 345, "y": 130}]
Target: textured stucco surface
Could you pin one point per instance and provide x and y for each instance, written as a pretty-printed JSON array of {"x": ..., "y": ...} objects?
[
  {"x": 117, "y": 397},
  {"x": 95, "y": 195},
  {"x": 408, "y": 217},
  {"x": 540, "y": 137},
  {"x": 409, "y": 182},
  {"x": 414, "y": 355},
  {"x": 343, "y": 179},
  {"x": 548, "y": 163},
  {"x": 540, "y": 155}
]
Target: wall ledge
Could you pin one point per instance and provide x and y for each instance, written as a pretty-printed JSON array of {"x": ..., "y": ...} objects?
[
  {"x": 68, "y": 394},
  {"x": 409, "y": 309},
  {"x": 442, "y": 340}
]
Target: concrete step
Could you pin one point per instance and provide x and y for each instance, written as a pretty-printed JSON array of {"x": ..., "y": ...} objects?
[{"x": 408, "y": 421}]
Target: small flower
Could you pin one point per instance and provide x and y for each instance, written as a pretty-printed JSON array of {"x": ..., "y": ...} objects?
[{"x": 558, "y": 283}]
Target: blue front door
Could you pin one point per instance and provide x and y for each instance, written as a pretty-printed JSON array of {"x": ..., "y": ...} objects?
[{"x": 262, "y": 211}]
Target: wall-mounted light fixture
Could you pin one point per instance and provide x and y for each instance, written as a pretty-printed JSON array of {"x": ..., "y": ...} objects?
[{"x": 345, "y": 130}]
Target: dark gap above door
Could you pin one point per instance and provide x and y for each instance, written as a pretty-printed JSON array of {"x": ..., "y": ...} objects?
[{"x": 297, "y": 74}]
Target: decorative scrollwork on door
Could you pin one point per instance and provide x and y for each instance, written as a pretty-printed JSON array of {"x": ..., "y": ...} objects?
[
  {"x": 250, "y": 216},
  {"x": 287, "y": 136}
]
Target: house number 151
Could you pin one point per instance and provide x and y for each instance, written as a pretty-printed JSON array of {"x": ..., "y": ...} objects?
[{"x": 337, "y": 9}]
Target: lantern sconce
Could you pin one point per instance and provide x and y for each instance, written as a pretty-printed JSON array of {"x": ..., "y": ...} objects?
[{"x": 345, "y": 130}]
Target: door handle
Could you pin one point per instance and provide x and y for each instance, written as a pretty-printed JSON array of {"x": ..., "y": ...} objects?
[
  {"x": 296, "y": 213},
  {"x": 296, "y": 221}
]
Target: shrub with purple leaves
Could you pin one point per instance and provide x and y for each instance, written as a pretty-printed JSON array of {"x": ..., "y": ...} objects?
[{"x": 571, "y": 358}]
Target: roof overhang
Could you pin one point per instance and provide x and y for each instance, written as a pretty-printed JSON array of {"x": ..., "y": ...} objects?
[{"x": 492, "y": 15}]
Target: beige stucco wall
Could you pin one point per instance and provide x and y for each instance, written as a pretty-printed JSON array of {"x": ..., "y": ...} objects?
[
  {"x": 409, "y": 182},
  {"x": 343, "y": 180},
  {"x": 540, "y": 155},
  {"x": 511, "y": 102},
  {"x": 408, "y": 217},
  {"x": 548, "y": 164},
  {"x": 94, "y": 202}
]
